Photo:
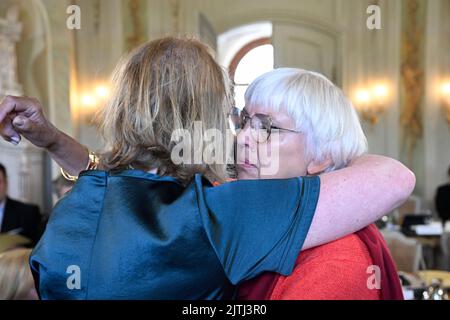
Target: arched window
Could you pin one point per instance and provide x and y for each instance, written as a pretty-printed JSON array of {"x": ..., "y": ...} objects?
[{"x": 250, "y": 62}]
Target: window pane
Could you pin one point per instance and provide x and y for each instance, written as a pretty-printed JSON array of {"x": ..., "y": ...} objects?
[
  {"x": 239, "y": 92},
  {"x": 256, "y": 62}
]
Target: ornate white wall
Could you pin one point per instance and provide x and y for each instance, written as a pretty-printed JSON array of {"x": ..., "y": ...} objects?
[
  {"x": 45, "y": 67},
  {"x": 24, "y": 163},
  {"x": 10, "y": 30}
]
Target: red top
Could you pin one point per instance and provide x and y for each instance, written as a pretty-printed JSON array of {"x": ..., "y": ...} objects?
[{"x": 339, "y": 270}]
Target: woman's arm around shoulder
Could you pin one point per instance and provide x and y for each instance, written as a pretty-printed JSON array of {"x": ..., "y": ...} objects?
[{"x": 358, "y": 195}]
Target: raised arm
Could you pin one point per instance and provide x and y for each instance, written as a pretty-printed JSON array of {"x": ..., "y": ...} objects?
[
  {"x": 356, "y": 196},
  {"x": 350, "y": 198},
  {"x": 22, "y": 116}
]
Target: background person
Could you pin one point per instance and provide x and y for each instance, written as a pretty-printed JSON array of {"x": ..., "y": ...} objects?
[
  {"x": 18, "y": 217},
  {"x": 442, "y": 200}
]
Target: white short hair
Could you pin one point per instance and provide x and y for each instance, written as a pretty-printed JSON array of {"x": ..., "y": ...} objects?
[{"x": 320, "y": 110}]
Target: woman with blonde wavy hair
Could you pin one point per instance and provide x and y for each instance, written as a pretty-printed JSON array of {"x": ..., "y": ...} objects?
[
  {"x": 166, "y": 85},
  {"x": 16, "y": 281},
  {"x": 141, "y": 226}
]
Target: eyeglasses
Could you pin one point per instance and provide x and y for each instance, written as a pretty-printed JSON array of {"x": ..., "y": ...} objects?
[{"x": 260, "y": 124}]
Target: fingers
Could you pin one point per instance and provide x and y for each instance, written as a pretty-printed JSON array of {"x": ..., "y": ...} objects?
[
  {"x": 9, "y": 109},
  {"x": 12, "y": 104},
  {"x": 8, "y": 132},
  {"x": 6, "y": 107},
  {"x": 10, "y": 129},
  {"x": 22, "y": 124}
]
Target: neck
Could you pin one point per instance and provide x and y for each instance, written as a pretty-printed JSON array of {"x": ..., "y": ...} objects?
[{"x": 153, "y": 170}]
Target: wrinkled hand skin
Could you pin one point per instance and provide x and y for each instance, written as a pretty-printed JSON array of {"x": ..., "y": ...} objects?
[{"x": 24, "y": 116}]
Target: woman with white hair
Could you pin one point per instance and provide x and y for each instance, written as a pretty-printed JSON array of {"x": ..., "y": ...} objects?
[{"x": 315, "y": 129}]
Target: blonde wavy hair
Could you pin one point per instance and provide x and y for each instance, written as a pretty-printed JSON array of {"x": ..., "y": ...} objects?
[
  {"x": 164, "y": 85},
  {"x": 16, "y": 280}
]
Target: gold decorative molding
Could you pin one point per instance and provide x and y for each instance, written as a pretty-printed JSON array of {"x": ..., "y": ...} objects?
[
  {"x": 136, "y": 37},
  {"x": 175, "y": 14},
  {"x": 97, "y": 9},
  {"x": 412, "y": 74}
]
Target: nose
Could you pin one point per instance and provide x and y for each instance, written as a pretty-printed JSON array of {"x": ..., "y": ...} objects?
[{"x": 244, "y": 138}]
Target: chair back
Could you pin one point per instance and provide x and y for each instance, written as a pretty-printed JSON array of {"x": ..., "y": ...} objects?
[
  {"x": 411, "y": 206},
  {"x": 406, "y": 252}
]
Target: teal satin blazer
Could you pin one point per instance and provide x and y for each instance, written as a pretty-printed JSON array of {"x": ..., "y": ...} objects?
[{"x": 136, "y": 235}]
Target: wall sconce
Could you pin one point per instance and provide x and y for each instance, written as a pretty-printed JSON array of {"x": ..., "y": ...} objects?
[
  {"x": 445, "y": 94},
  {"x": 371, "y": 102},
  {"x": 90, "y": 101}
]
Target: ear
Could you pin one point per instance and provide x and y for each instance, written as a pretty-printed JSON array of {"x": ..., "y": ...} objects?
[{"x": 317, "y": 167}]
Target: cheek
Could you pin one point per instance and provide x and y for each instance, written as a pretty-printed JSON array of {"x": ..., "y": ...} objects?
[{"x": 293, "y": 157}]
